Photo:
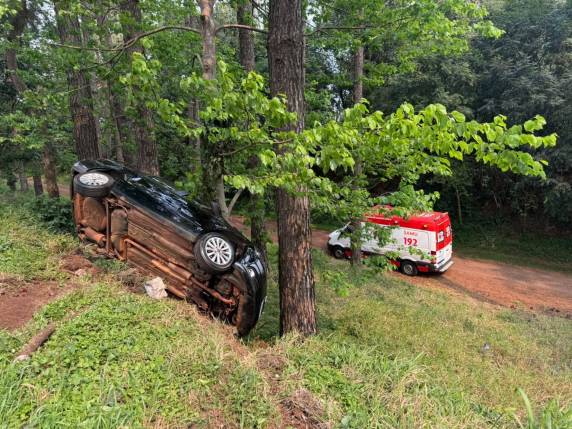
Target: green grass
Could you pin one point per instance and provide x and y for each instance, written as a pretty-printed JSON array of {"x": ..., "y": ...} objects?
[
  {"x": 127, "y": 361},
  {"x": 387, "y": 355},
  {"x": 393, "y": 355},
  {"x": 503, "y": 244},
  {"x": 28, "y": 248}
]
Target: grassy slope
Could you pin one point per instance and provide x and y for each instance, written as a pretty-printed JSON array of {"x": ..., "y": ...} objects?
[{"x": 388, "y": 355}]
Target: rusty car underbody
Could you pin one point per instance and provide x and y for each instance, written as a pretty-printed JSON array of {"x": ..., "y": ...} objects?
[{"x": 145, "y": 222}]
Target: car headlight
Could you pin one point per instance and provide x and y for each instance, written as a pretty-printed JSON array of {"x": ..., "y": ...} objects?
[{"x": 251, "y": 272}]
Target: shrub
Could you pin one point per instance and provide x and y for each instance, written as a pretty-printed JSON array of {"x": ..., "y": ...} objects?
[{"x": 55, "y": 213}]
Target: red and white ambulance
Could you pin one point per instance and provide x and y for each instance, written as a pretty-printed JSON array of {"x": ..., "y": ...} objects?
[{"x": 422, "y": 243}]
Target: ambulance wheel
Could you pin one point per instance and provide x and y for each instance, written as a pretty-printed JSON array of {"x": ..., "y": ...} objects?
[
  {"x": 339, "y": 252},
  {"x": 409, "y": 268}
]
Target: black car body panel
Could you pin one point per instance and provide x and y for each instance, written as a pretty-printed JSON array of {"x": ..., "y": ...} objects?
[{"x": 190, "y": 220}]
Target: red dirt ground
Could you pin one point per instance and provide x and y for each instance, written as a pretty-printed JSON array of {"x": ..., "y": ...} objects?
[
  {"x": 494, "y": 282},
  {"x": 20, "y": 299}
]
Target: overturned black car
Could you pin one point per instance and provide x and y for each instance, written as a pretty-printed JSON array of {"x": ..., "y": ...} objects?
[{"x": 142, "y": 220}]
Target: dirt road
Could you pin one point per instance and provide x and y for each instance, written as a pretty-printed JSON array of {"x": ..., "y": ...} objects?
[
  {"x": 494, "y": 282},
  {"x": 504, "y": 284}
]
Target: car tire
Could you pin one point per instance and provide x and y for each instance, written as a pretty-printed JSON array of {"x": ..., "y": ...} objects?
[
  {"x": 93, "y": 184},
  {"x": 338, "y": 252},
  {"x": 409, "y": 268},
  {"x": 214, "y": 253}
]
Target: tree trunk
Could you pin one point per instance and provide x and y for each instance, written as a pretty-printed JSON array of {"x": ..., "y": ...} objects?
[
  {"x": 116, "y": 116},
  {"x": 50, "y": 171},
  {"x": 247, "y": 60},
  {"x": 358, "y": 74},
  {"x": 22, "y": 176},
  {"x": 245, "y": 37},
  {"x": 38, "y": 186},
  {"x": 18, "y": 23},
  {"x": 208, "y": 38},
  {"x": 286, "y": 67},
  {"x": 459, "y": 212},
  {"x": 356, "y": 238},
  {"x": 11, "y": 180},
  {"x": 212, "y": 165},
  {"x": 147, "y": 153},
  {"x": 80, "y": 96},
  {"x": 12, "y": 75}
]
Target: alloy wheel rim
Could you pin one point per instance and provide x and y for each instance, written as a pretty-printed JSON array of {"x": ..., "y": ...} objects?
[
  {"x": 94, "y": 179},
  {"x": 218, "y": 251}
]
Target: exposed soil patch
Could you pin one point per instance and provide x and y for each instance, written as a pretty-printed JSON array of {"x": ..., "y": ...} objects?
[
  {"x": 271, "y": 365},
  {"x": 301, "y": 409},
  {"x": 19, "y": 299},
  {"x": 78, "y": 265}
]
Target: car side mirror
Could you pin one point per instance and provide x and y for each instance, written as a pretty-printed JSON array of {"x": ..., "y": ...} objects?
[{"x": 215, "y": 206}]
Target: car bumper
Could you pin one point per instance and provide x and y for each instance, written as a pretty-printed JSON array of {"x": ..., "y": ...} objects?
[
  {"x": 442, "y": 267},
  {"x": 253, "y": 272}
]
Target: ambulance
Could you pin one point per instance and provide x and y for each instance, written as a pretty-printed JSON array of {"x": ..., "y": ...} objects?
[{"x": 419, "y": 243}]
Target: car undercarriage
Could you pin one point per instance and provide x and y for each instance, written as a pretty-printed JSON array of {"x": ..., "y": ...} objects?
[{"x": 154, "y": 244}]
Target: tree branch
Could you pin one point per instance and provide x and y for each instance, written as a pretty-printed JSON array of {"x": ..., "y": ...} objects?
[
  {"x": 240, "y": 26},
  {"x": 253, "y": 145},
  {"x": 132, "y": 41},
  {"x": 234, "y": 200},
  {"x": 328, "y": 28}
]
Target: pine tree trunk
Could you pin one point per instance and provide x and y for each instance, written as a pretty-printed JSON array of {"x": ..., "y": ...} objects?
[
  {"x": 247, "y": 60},
  {"x": 11, "y": 180},
  {"x": 286, "y": 66},
  {"x": 12, "y": 70},
  {"x": 80, "y": 96},
  {"x": 18, "y": 23},
  {"x": 116, "y": 115},
  {"x": 212, "y": 165},
  {"x": 48, "y": 159},
  {"x": 356, "y": 239},
  {"x": 147, "y": 152},
  {"x": 38, "y": 186},
  {"x": 245, "y": 37},
  {"x": 22, "y": 177},
  {"x": 459, "y": 211}
]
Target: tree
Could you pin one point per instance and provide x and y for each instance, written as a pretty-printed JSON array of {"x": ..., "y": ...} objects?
[
  {"x": 246, "y": 54},
  {"x": 286, "y": 67},
  {"x": 147, "y": 155},
  {"x": 394, "y": 35},
  {"x": 247, "y": 58},
  {"x": 80, "y": 97},
  {"x": 18, "y": 23}
]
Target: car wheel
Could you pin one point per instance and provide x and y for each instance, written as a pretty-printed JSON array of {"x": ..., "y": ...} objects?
[
  {"x": 214, "y": 253},
  {"x": 409, "y": 268},
  {"x": 339, "y": 252},
  {"x": 93, "y": 184}
]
